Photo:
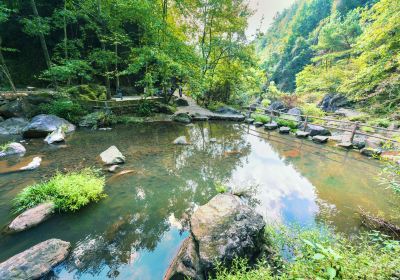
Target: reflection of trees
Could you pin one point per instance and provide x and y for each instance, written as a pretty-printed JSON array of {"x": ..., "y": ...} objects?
[{"x": 180, "y": 177}]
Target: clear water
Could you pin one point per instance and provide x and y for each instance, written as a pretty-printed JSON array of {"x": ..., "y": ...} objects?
[{"x": 135, "y": 232}]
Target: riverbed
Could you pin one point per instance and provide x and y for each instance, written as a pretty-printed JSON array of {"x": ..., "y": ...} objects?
[{"x": 135, "y": 231}]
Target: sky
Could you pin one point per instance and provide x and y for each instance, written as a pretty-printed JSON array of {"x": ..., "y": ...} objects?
[{"x": 266, "y": 8}]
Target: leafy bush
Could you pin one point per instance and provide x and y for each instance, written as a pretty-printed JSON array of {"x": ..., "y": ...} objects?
[
  {"x": 261, "y": 118},
  {"x": 98, "y": 119},
  {"x": 359, "y": 118},
  {"x": 367, "y": 129},
  {"x": 288, "y": 123},
  {"x": 311, "y": 109},
  {"x": 320, "y": 254},
  {"x": 221, "y": 188},
  {"x": 380, "y": 122},
  {"x": 145, "y": 109},
  {"x": 69, "y": 192},
  {"x": 214, "y": 105},
  {"x": 266, "y": 102},
  {"x": 87, "y": 92},
  {"x": 63, "y": 108}
]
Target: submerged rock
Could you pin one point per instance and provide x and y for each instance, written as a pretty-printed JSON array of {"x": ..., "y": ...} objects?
[
  {"x": 42, "y": 125},
  {"x": 112, "y": 156},
  {"x": 13, "y": 126},
  {"x": 181, "y": 141},
  {"x": 35, "y": 262},
  {"x": 32, "y": 217},
  {"x": 34, "y": 164},
  {"x": 56, "y": 136},
  {"x": 182, "y": 118},
  {"x": 370, "y": 152},
  {"x": 13, "y": 149},
  {"x": 113, "y": 168}
]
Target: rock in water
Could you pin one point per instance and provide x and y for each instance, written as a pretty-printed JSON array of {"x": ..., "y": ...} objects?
[
  {"x": 56, "y": 136},
  {"x": 182, "y": 118},
  {"x": 284, "y": 130},
  {"x": 370, "y": 152},
  {"x": 249, "y": 120},
  {"x": 226, "y": 110},
  {"x": 41, "y": 125},
  {"x": 13, "y": 149},
  {"x": 13, "y": 126},
  {"x": 112, "y": 156},
  {"x": 32, "y": 217},
  {"x": 317, "y": 130},
  {"x": 271, "y": 126},
  {"x": 302, "y": 134},
  {"x": 34, "y": 164},
  {"x": 113, "y": 168},
  {"x": 226, "y": 228},
  {"x": 258, "y": 124},
  {"x": 36, "y": 261},
  {"x": 181, "y": 141},
  {"x": 320, "y": 139}
]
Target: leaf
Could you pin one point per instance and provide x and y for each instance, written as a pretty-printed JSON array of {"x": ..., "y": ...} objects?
[
  {"x": 318, "y": 257},
  {"x": 331, "y": 273},
  {"x": 309, "y": 243}
]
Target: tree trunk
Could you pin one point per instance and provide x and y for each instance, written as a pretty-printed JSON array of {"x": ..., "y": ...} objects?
[
  {"x": 66, "y": 37},
  {"x": 103, "y": 47},
  {"x": 5, "y": 69},
  {"x": 41, "y": 37},
  {"x": 116, "y": 68}
]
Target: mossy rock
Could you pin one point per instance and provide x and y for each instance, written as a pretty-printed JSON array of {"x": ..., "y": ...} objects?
[{"x": 88, "y": 92}]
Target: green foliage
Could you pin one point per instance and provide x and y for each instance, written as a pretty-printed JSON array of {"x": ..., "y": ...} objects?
[
  {"x": 87, "y": 92},
  {"x": 320, "y": 254},
  {"x": 390, "y": 175},
  {"x": 64, "y": 108},
  {"x": 98, "y": 119},
  {"x": 4, "y": 147},
  {"x": 68, "y": 192},
  {"x": 261, "y": 118},
  {"x": 70, "y": 70},
  {"x": 221, "y": 188},
  {"x": 215, "y": 105},
  {"x": 288, "y": 123},
  {"x": 382, "y": 122},
  {"x": 312, "y": 110},
  {"x": 367, "y": 129},
  {"x": 359, "y": 118},
  {"x": 145, "y": 108},
  {"x": 265, "y": 103}
]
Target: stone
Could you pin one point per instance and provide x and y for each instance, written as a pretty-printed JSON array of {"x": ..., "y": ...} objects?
[
  {"x": 32, "y": 217},
  {"x": 13, "y": 149},
  {"x": 113, "y": 168},
  {"x": 226, "y": 110},
  {"x": 35, "y": 262},
  {"x": 226, "y": 228},
  {"x": 302, "y": 134},
  {"x": 182, "y": 118},
  {"x": 56, "y": 136},
  {"x": 333, "y": 101},
  {"x": 181, "y": 140},
  {"x": 358, "y": 143},
  {"x": 34, "y": 164},
  {"x": 13, "y": 126},
  {"x": 186, "y": 264},
  {"x": 16, "y": 108},
  {"x": 374, "y": 143},
  {"x": 213, "y": 140},
  {"x": 346, "y": 145},
  {"x": 320, "y": 139},
  {"x": 258, "y": 124},
  {"x": 199, "y": 118},
  {"x": 370, "y": 152},
  {"x": 295, "y": 113},
  {"x": 112, "y": 156},
  {"x": 284, "y": 130},
  {"x": 348, "y": 113},
  {"x": 180, "y": 102},
  {"x": 277, "y": 106},
  {"x": 41, "y": 125},
  {"x": 249, "y": 120},
  {"x": 317, "y": 130},
  {"x": 271, "y": 126}
]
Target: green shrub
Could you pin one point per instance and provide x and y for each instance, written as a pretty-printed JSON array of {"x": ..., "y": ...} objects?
[
  {"x": 221, "y": 188},
  {"x": 5, "y": 146},
  {"x": 145, "y": 108},
  {"x": 63, "y": 108},
  {"x": 320, "y": 254},
  {"x": 359, "y": 118},
  {"x": 69, "y": 192},
  {"x": 312, "y": 110},
  {"x": 380, "y": 122},
  {"x": 98, "y": 119},
  {"x": 215, "y": 105},
  {"x": 87, "y": 92},
  {"x": 266, "y": 102},
  {"x": 288, "y": 123},
  {"x": 261, "y": 118},
  {"x": 367, "y": 129}
]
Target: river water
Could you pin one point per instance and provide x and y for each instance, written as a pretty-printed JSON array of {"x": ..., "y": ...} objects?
[{"x": 135, "y": 231}]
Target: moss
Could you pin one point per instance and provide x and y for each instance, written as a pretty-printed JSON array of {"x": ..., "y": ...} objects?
[{"x": 87, "y": 92}]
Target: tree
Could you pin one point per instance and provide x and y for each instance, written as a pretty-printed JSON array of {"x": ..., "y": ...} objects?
[{"x": 4, "y": 14}]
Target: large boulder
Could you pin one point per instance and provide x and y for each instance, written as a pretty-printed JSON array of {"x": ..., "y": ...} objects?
[
  {"x": 35, "y": 262},
  {"x": 317, "y": 130},
  {"x": 13, "y": 149},
  {"x": 182, "y": 118},
  {"x": 32, "y": 217},
  {"x": 56, "y": 136},
  {"x": 295, "y": 114},
  {"x": 112, "y": 156},
  {"x": 348, "y": 113},
  {"x": 333, "y": 101},
  {"x": 180, "y": 102},
  {"x": 226, "y": 110},
  {"x": 221, "y": 230},
  {"x": 42, "y": 125},
  {"x": 277, "y": 106},
  {"x": 16, "y": 108},
  {"x": 13, "y": 126}
]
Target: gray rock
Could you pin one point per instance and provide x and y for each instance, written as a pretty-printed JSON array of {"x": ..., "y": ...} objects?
[
  {"x": 34, "y": 164},
  {"x": 32, "y": 217},
  {"x": 112, "y": 156},
  {"x": 113, "y": 168},
  {"x": 258, "y": 124},
  {"x": 302, "y": 134},
  {"x": 332, "y": 101},
  {"x": 181, "y": 141},
  {"x": 374, "y": 143},
  {"x": 346, "y": 145},
  {"x": 358, "y": 143},
  {"x": 35, "y": 262},
  {"x": 225, "y": 110},
  {"x": 317, "y": 130},
  {"x": 295, "y": 112},
  {"x": 348, "y": 113},
  {"x": 226, "y": 228},
  {"x": 16, "y": 108},
  {"x": 13, "y": 149},
  {"x": 56, "y": 136},
  {"x": 213, "y": 140},
  {"x": 370, "y": 152},
  {"x": 182, "y": 118},
  {"x": 271, "y": 126},
  {"x": 284, "y": 130},
  {"x": 249, "y": 120},
  {"x": 42, "y": 125},
  {"x": 320, "y": 139},
  {"x": 199, "y": 118},
  {"x": 180, "y": 102},
  {"x": 13, "y": 126},
  {"x": 277, "y": 106}
]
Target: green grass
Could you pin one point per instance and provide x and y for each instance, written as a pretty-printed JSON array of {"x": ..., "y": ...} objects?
[
  {"x": 292, "y": 124},
  {"x": 221, "y": 188},
  {"x": 69, "y": 192},
  {"x": 261, "y": 118},
  {"x": 4, "y": 146},
  {"x": 320, "y": 254}
]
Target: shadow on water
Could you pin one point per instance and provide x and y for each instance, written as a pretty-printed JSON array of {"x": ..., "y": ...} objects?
[{"x": 136, "y": 230}]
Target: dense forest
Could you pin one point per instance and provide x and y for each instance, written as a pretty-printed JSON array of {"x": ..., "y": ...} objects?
[
  {"x": 140, "y": 46},
  {"x": 350, "y": 47}
]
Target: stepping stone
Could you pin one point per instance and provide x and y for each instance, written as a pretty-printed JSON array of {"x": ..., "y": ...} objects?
[
  {"x": 181, "y": 141},
  {"x": 32, "y": 217},
  {"x": 302, "y": 134},
  {"x": 258, "y": 124},
  {"x": 370, "y": 152},
  {"x": 249, "y": 120},
  {"x": 271, "y": 126},
  {"x": 346, "y": 145},
  {"x": 284, "y": 130},
  {"x": 112, "y": 156},
  {"x": 320, "y": 139}
]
